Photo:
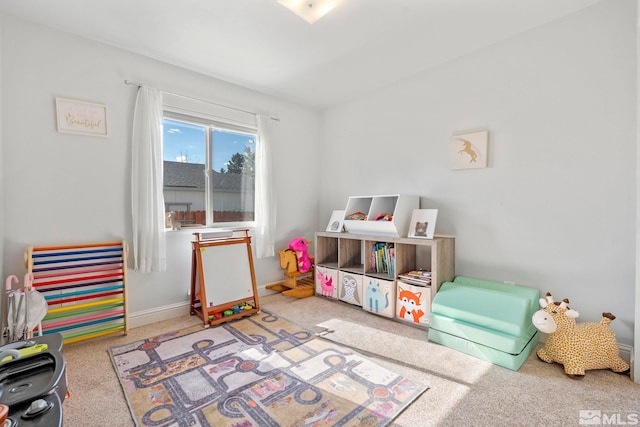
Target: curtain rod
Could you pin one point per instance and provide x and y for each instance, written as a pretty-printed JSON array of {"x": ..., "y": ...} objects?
[{"x": 130, "y": 83}]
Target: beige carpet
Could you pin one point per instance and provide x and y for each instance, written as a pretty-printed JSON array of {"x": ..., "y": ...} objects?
[
  {"x": 463, "y": 390},
  {"x": 257, "y": 371}
]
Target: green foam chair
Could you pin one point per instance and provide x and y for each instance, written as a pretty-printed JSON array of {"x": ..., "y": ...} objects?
[{"x": 485, "y": 319}]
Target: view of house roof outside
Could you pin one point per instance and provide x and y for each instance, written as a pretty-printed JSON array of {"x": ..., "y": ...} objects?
[{"x": 233, "y": 178}]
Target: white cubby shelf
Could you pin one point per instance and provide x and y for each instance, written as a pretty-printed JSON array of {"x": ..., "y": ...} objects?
[
  {"x": 399, "y": 207},
  {"x": 340, "y": 255}
]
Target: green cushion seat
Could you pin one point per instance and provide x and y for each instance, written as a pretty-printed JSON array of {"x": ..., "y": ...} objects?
[{"x": 489, "y": 320}]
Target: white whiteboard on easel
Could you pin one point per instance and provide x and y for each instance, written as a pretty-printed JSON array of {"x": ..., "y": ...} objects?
[{"x": 226, "y": 273}]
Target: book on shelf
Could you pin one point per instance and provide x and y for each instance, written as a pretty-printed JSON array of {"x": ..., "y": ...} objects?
[
  {"x": 418, "y": 274},
  {"x": 382, "y": 258},
  {"x": 415, "y": 282},
  {"x": 416, "y": 277}
]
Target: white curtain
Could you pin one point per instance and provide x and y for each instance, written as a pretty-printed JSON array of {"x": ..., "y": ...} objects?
[
  {"x": 147, "y": 200},
  {"x": 265, "y": 211}
]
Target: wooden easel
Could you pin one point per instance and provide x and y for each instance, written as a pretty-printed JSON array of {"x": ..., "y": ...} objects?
[{"x": 223, "y": 281}]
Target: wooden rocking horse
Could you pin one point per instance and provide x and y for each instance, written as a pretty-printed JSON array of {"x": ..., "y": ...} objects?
[{"x": 293, "y": 285}]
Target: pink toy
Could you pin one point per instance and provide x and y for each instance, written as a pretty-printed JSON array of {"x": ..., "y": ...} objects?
[
  {"x": 326, "y": 284},
  {"x": 300, "y": 246}
]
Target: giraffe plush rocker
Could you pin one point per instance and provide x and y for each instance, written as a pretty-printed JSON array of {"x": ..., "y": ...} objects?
[{"x": 577, "y": 346}]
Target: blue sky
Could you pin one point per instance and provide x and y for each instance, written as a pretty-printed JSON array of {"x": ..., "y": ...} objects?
[{"x": 186, "y": 142}]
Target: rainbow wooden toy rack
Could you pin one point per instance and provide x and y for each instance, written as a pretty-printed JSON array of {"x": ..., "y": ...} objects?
[{"x": 84, "y": 286}]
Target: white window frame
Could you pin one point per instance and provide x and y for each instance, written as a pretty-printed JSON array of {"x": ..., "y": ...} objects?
[{"x": 212, "y": 122}]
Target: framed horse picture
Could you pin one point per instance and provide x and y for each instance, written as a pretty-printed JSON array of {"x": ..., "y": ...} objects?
[{"x": 469, "y": 150}]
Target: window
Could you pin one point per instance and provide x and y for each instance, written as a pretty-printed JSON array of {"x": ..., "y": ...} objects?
[{"x": 209, "y": 170}]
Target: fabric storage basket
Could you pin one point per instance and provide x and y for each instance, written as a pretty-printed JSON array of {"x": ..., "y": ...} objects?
[
  {"x": 413, "y": 303},
  {"x": 350, "y": 288},
  {"x": 327, "y": 282},
  {"x": 379, "y": 296}
]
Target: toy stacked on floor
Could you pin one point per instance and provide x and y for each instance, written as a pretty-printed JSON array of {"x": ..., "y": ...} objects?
[
  {"x": 298, "y": 266},
  {"x": 577, "y": 346},
  {"x": 84, "y": 286},
  {"x": 33, "y": 385},
  {"x": 26, "y": 308},
  {"x": 236, "y": 309},
  {"x": 485, "y": 319}
]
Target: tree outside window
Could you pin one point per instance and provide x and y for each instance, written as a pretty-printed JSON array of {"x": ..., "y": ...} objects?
[{"x": 228, "y": 195}]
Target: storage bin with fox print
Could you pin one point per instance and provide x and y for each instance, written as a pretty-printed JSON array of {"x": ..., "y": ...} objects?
[{"x": 413, "y": 303}]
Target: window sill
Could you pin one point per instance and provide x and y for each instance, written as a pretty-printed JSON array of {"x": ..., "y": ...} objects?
[{"x": 204, "y": 229}]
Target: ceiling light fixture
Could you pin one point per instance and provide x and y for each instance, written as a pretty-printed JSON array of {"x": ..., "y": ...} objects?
[{"x": 310, "y": 10}]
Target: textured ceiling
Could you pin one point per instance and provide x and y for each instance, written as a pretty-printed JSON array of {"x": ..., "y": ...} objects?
[{"x": 360, "y": 46}]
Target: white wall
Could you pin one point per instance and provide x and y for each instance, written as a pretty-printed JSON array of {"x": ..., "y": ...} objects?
[
  {"x": 46, "y": 172},
  {"x": 555, "y": 209},
  {"x": 635, "y": 374},
  {"x": 2, "y": 275}
]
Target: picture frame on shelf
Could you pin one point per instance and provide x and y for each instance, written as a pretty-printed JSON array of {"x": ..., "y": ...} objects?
[
  {"x": 423, "y": 223},
  {"x": 336, "y": 223},
  {"x": 81, "y": 118}
]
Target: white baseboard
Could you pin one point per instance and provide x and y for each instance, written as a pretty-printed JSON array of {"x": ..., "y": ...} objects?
[
  {"x": 159, "y": 314},
  {"x": 263, "y": 291},
  {"x": 633, "y": 368},
  {"x": 625, "y": 352}
]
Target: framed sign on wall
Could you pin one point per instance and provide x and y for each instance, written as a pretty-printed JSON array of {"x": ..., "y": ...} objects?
[{"x": 80, "y": 117}]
